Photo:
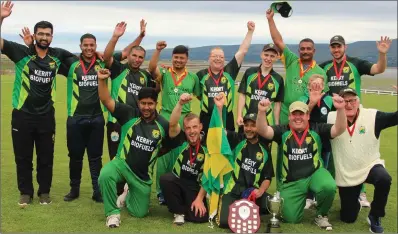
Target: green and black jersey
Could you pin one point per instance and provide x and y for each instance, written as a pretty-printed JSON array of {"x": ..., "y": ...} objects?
[
  {"x": 140, "y": 140},
  {"x": 212, "y": 84},
  {"x": 350, "y": 76},
  {"x": 126, "y": 83},
  {"x": 34, "y": 85},
  {"x": 300, "y": 161},
  {"x": 320, "y": 111},
  {"x": 253, "y": 163},
  {"x": 256, "y": 88}
]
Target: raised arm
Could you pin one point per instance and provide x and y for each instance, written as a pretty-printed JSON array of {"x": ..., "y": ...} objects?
[
  {"x": 219, "y": 101},
  {"x": 26, "y": 36},
  {"x": 241, "y": 104},
  {"x": 137, "y": 41},
  {"x": 341, "y": 120},
  {"x": 153, "y": 63},
  {"x": 277, "y": 112},
  {"x": 174, "y": 127},
  {"x": 110, "y": 47},
  {"x": 6, "y": 10},
  {"x": 275, "y": 35},
  {"x": 262, "y": 126},
  {"x": 382, "y": 46},
  {"x": 244, "y": 47},
  {"x": 103, "y": 92}
]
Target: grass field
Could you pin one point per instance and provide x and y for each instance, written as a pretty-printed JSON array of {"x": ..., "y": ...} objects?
[{"x": 83, "y": 215}]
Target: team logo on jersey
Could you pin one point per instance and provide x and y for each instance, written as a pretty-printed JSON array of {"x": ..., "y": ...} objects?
[
  {"x": 52, "y": 65},
  {"x": 308, "y": 140},
  {"x": 155, "y": 134},
  {"x": 324, "y": 111},
  {"x": 362, "y": 130},
  {"x": 346, "y": 69},
  {"x": 97, "y": 67},
  {"x": 142, "y": 80},
  {"x": 271, "y": 45},
  {"x": 270, "y": 86},
  {"x": 223, "y": 80},
  {"x": 200, "y": 157},
  {"x": 114, "y": 136},
  {"x": 259, "y": 156}
]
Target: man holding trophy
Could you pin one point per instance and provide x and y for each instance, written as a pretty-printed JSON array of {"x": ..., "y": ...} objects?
[{"x": 302, "y": 167}]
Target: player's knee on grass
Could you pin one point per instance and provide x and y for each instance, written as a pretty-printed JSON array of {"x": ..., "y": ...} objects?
[{"x": 349, "y": 216}]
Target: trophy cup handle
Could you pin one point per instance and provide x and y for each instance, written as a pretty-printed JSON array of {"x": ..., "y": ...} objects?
[
  {"x": 267, "y": 204},
  {"x": 282, "y": 204}
]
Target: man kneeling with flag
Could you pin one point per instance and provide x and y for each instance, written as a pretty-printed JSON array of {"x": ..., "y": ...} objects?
[
  {"x": 252, "y": 166},
  {"x": 182, "y": 188}
]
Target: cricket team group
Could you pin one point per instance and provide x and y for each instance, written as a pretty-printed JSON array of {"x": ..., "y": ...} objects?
[{"x": 327, "y": 141}]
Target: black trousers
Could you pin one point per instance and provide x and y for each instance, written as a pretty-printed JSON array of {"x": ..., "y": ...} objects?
[
  {"x": 27, "y": 131},
  {"x": 179, "y": 196},
  {"x": 85, "y": 133},
  {"x": 350, "y": 206},
  {"x": 205, "y": 120}
]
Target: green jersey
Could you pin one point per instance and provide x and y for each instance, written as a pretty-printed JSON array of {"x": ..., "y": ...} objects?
[
  {"x": 319, "y": 113},
  {"x": 212, "y": 84},
  {"x": 173, "y": 86},
  {"x": 126, "y": 83},
  {"x": 140, "y": 141},
  {"x": 350, "y": 75},
  {"x": 301, "y": 160},
  {"x": 34, "y": 85},
  {"x": 256, "y": 87}
]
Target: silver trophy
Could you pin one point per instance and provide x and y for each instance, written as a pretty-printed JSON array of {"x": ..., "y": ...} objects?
[{"x": 274, "y": 206}]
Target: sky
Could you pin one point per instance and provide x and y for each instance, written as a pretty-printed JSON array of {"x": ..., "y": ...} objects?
[{"x": 201, "y": 23}]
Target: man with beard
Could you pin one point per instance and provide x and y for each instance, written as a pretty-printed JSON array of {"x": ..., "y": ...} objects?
[
  {"x": 261, "y": 82},
  {"x": 143, "y": 132},
  {"x": 174, "y": 81},
  {"x": 253, "y": 168},
  {"x": 344, "y": 71},
  {"x": 219, "y": 78},
  {"x": 182, "y": 187},
  {"x": 356, "y": 155},
  {"x": 33, "y": 121},
  {"x": 302, "y": 167}
]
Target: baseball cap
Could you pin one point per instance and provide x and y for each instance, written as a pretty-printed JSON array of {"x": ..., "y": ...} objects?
[
  {"x": 271, "y": 46},
  {"x": 348, "y": 90},
  {"x": 297, "y": 105},
  {"x": 283, "y": 8},
  {"x": 250, "y": 116},
  {"x": 337, "y": 40}
]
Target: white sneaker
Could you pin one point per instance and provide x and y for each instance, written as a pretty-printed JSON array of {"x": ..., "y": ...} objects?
[
  {"x": 179, "y": 219},
  {"x": 363, "y": 200},
  {"x": 113, "y": 221},
  {"x": 309, "y": 203},
  {"x": 121, "y": 200},
  {"x": 323, "y": 222}
]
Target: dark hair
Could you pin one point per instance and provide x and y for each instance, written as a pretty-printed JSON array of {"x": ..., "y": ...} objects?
[
  {"x": 180, "y": 49},
  {"x": 307, "y": 40},
  {"x": 87, "y": 35},
  {"x": 148, "y": 92},
  {"x": 43, "y": 24},
  {"x": 137, "y": 47}
]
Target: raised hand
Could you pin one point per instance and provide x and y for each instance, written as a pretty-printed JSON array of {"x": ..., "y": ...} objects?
[
  {"x": 338, "y": 101},
  {"x": 383, "y": 45},
  {"x": 315, "y": 92},
  {"x": 395, "y": 87},
  {"x": 239, "y": 120},
  {"x": 142, "y": 27},
  {"x": 103, "y": 74},
  {"x": 264, "y": 104},
  {"x": 185, "y": 98},
  {"x": 219, "y": 100},
  {"x": 6, "y": 9},
  {"x": 251, "y": 26},
  {"x": 160, "y": 45},
  {"x": 269, "y": 13},
  {"x": 120, "y": 29},
  {"x": 26, "y": 36}
]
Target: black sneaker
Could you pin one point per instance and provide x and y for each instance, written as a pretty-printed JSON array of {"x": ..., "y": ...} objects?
[
  {"x": 45, "y": 199},
  {"x": 97, "y": 197},
  {"x": 72, "y": 195},
  {"x": 24, "y": 200},
  {"x": 161, "y": 199},
  {"x": 375, "y": 224}
]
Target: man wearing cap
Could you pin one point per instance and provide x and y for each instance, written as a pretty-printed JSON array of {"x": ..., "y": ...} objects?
[
  {"x": 302, "y": 168},
  {"x": 261, "y": 82},
  {"x": 344, "y": 71},
  {"x": 219, "y": 78},
  {"x": 143, "y": 132},
  {"x": 356, "y": 155},
  {"x": 253, "y": 168}
]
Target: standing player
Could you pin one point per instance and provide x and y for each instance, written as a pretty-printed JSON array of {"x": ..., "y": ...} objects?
[
  {"x": 33, "y": 121},
  {"x": 261, "y": 82},
  {"x": 219, "y": 78}
]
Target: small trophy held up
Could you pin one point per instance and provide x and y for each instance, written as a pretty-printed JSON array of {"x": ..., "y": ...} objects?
[{"x": 274, "y": 206}]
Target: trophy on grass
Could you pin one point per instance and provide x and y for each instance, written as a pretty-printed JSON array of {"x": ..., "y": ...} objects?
[{"x": 274, "y": 206}]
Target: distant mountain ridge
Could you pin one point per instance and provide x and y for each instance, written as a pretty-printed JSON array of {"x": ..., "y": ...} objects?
[{"x": 362, "y": 49}]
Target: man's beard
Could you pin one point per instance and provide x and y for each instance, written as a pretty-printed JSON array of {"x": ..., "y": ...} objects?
[{"x": 43, "y": 47}]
